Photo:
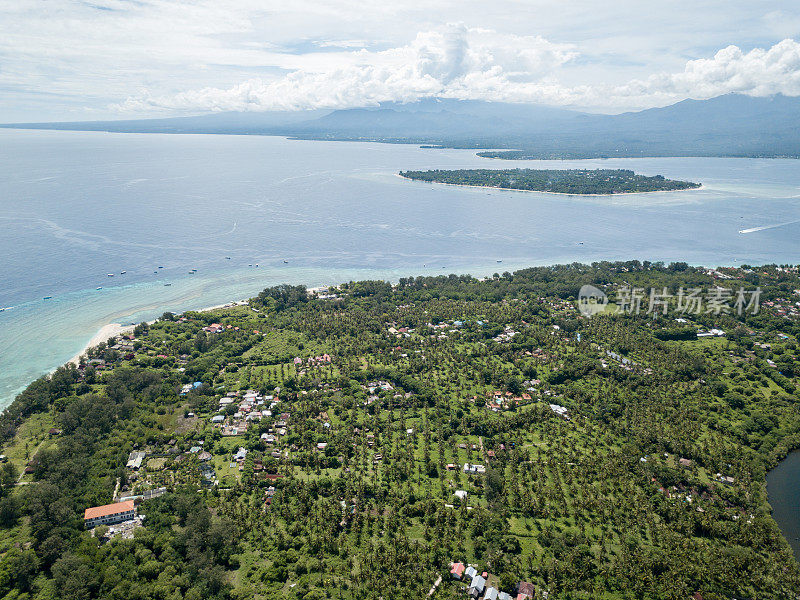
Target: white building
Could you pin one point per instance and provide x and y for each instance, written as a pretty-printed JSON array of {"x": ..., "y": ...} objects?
[{"x": 109, "y": 514}]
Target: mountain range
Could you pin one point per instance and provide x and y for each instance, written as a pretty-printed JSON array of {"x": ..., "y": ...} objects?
[{"x": 729, "y": 125}]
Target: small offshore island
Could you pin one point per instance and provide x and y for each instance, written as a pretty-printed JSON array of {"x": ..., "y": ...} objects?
[{"x": 555, "y": 181}]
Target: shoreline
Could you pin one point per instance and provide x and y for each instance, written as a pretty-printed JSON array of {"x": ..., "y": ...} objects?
[
  {"x": 501, "y": 189},
  {"x": 114, "y": 329},
  {"x": 103, "y": 335},
  {"x": 110, "y": 330}
]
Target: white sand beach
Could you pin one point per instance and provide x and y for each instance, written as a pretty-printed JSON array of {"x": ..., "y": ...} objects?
[
  {"x": 116, "y": 329},
  {"x": 105, "y": 333}
]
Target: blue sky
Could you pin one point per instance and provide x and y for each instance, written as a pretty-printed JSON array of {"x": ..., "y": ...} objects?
[{"x": 100, "y": 59}]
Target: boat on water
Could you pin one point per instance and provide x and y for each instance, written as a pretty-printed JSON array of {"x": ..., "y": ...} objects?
[
  {"x": 167, "y": 284},
  {"x": 499, "y": 261},
  {"x": 99, "y": 288},
  {"x": 122, "y": 272},
  {"x": 110, "y": 274},
  {"x": 160, "y": 267},
  {"x": 227, "y": 258},
  {"x": 47, "y": 298},
  {"x": 286, "y": 262}
]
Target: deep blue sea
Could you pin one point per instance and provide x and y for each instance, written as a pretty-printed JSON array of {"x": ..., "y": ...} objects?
[{"x": 76, "y": 206}]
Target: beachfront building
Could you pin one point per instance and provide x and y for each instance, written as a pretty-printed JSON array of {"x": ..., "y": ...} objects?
[{"x": 109, "y": 514}]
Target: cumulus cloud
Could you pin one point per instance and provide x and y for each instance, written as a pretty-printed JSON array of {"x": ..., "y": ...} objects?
[
  {"x": 454, "y": 61},
  {"x": 473, "y": 63},
  {"x": 68, "y": 59},
  {"x": 760, "y": 72}
]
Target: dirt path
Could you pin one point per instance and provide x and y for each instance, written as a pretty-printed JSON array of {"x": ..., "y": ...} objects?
[{"x": 35, "y": 452}]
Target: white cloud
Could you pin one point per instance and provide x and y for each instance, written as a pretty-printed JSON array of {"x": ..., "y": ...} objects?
[
  {"x": 758, "y": 72},
  {"x": 68, "y": 59},
  {"x": 454, "y": 61},
  {"x": 471, "y": 63}
]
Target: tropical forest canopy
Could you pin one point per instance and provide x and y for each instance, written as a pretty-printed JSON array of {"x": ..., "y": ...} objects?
[{"x": 644, "y": 479}]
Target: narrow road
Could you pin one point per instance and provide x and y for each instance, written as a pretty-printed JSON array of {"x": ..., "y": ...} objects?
[{"x": 435, "y": 585}]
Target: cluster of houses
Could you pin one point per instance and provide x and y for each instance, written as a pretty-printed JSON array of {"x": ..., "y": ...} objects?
[
  {"x": 219, "y": 328},
  {"x": 445, "y": 328},
  {"x": 626, "y": 363},
  {"x": 312, "y": 361},
  {"x": 258, "y": 464},
  {"x": 323, "y": 293},
  {"x": 506, "y": 336},
  {"x": 689, "y": 493},
  {"x": 374, "y": 386},
  {"x": 202, "y": 455},
  {"x": 717, "y": 274},
  {"x": 249, "y": 408},
  {"x": 538, "y": 354},
  {"x": 788, "y": 308},
  {"x": 479, "y": 585},
  {"x": 440, "y": 329},
  {"x": 125, "y": 346},
  {"x": 498, "y": 401},
  {"x": 400, "y": 332},
  {"x": 558, "y": 305},
  {"x": 98, "y": 364},
  {"x": 471, "y": 469},
  {"x": 783, "y": 307}
]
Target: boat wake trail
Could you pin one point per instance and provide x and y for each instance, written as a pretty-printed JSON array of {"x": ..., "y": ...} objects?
[{"x": 763, "y": 227}]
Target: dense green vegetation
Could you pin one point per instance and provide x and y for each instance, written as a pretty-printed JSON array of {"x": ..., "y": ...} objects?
[
  {"x": 561, "y": 181},
  {"x": 530, "y": 155},
  {"x": 374, "y": 396}
]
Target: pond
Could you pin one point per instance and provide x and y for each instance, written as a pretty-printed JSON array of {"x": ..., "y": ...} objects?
[{"x": 783, "y": 489}]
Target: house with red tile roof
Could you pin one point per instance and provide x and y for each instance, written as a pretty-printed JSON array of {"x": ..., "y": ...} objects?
[
  {"x": 457, "y": 570},
  {"x": 108, "y": 514}
]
